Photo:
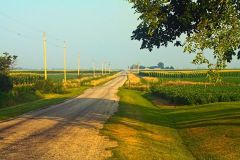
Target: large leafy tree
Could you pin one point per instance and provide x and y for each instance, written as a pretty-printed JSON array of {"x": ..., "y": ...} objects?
[
  {"x": 161, "y": 65},
  {"x": 197, "y": 25},
  {"x": 7, "y": 61}
]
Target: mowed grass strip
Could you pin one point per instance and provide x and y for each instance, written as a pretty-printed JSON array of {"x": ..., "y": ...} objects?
[
  {"x": 143, "y": 131},
  {"x": 47, "y": 100},
  {"x": 147, "y": 131},
  {"x": 210, "y": 132}
]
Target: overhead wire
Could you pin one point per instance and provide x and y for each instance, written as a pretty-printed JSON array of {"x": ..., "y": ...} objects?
[{"x": 30, "y": 27}]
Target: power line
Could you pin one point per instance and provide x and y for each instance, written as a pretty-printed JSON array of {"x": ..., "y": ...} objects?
[
  {"x": 16, "y": 33},
  {"x": 29, "y": 26},
  {"x": 19, "y": 22},
  {"x": 19, "y": 34}
]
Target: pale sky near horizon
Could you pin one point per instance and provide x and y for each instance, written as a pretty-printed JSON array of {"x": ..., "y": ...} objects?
[{"x": 99, "y": 30}]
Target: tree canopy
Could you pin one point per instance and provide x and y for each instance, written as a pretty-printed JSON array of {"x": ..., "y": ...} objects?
[
  {"x": 6, "y": 62},
  {"x": 197, "y": 25},
  {"x": 161, "y": 65}
]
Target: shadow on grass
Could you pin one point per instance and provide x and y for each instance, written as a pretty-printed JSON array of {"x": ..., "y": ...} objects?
[{"x": 183, "y": 116}]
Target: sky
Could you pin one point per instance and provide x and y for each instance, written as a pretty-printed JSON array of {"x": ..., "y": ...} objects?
[{"x": 100, "y": 30}]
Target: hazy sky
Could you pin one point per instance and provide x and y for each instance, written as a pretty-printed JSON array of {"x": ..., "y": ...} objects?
[{"x": 99, "y": 29}]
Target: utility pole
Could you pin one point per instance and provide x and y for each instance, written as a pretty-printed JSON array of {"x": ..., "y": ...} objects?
[
  {"x": 93, "y": 65},
  {"x": 105, "y": 68},
  {"x": 109, "y": 68},
  {"x": 102, "y": 68},
  {"x": 45, "y": 54},
  {"x": 138, "y": 68},
  {"x": 65, "y": 62},
  {"x": 79, "y": 64}
]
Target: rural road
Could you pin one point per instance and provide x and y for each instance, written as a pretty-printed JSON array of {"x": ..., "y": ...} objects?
[{"x": 66, "y": 131}]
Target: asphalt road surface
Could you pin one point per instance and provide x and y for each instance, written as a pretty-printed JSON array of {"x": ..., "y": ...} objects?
[{"x": 66, "y": 131}]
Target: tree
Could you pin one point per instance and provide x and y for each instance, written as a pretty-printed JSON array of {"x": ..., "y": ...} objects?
[
  {"x": 134, "y": 66},
  {"x": 206, "y": 25},
  {"x": 161, "y": 65},
  {"x": 6, "y": 83},
  {"x": 7, "y": 62}
]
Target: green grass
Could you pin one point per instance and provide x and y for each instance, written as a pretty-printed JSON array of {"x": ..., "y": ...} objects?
[
  {"x": 143, "y": 131},
  {"x": 49, "y": 99},
  {"x": 58, "y": 77},
  {"x": 147, "y": 131},
  {"x": 211, "y": 131}
]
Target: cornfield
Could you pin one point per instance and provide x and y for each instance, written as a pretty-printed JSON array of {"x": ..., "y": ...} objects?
[
  {"x": 25, "y": 78},
  {"x": 187, "y": 74}
]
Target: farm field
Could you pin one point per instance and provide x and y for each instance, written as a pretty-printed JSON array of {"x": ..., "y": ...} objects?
[
  {"x": 147, "y": 128},
  {"x": 191, "y": 87},
  {"x": 228, "y": 76},
  {"x": 53, "y": 75}
]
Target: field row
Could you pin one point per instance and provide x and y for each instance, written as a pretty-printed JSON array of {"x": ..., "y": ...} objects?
[
  {"x": 57, "y": 71},
  {"x": 187, "y": 91},
  {"x": 197, "y": 94},
  {"x": 26, "y": 77},
  {"x": 31, "y": 86},
  {"x": 187, "y": 74}
]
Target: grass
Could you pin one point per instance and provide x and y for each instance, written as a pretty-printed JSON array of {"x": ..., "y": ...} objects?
[
  {"x": 142, "y": 131},
  {"x": 211, "y": 131},
  {"x": 147, "y": 131},
  {"x": 47, "y": 100},
  {"x": 58, "y": 77}
]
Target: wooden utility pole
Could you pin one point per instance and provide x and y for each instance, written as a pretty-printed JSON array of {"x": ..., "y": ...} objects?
[
  {"x": 138, "y": 68},
  {"x": 102, "y": 69},
  {"x": 105, "y": 68},
  {"x": 93, "y": 65},
  {"x": 65, "y": 62},
  {"x": 79, "y": 64},
  {"x": 45, "y": 54},
  {"x": 109, "y": 68}
]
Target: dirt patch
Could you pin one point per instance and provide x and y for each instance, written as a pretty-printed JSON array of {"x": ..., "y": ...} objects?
[
  {"x": 193, "y": 132},
  {"x": 157, "y": 101},
  {"x": 158, "y": 137},
  {"x": 184, "y": 83}
]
